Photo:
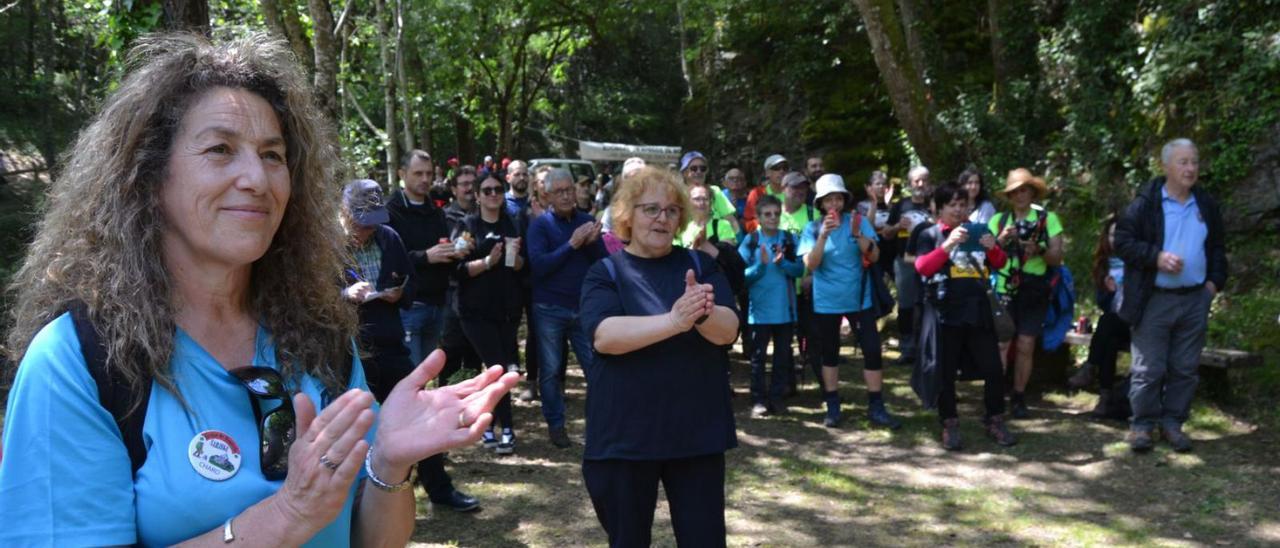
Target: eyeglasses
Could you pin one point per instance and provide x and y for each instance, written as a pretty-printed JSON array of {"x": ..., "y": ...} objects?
[
  {"x": 276, "y": 427},
  {"x": 569, "y": 191},
  {"x": 697, "y": 169},
  {"x": 778, "y": 167},
  {"x": 652, "y": 210},
  {"x": 491, "y": 190},
  {"x": 768, "y": 214}
]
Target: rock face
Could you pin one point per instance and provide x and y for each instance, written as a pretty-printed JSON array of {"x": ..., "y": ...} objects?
[{"x": 1255, "y": 203}]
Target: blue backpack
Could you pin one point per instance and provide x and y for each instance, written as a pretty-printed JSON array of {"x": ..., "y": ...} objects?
[{"x": 1062, "y": 307}]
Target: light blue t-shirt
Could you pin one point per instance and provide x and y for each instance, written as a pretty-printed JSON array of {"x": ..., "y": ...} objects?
[
  {"x": 1184, "y": 234},
  {"x": 837, "y": 280},
  {"x": 66, "y": 475},
  {"x": 770, "y": 285}
]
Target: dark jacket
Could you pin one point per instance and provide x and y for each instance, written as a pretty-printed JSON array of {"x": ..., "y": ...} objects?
[
  {"x": 421, "y": 227},
  {"x": 380, "y": 320},
  {"x": 495, "y": 294},
  {"x": 1140, "y": 238}
]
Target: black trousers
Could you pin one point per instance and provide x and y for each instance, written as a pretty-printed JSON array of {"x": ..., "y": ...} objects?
[
  {"x": 863, "y": 323},
  {"x": 978, "y": 346},
  {"x": 807, "y": 334},
  {"x": 1110, "y": 336},
  {"x": 495, "y": 341},
  {"x": 457, "y": 348},
  {"x": 624, "y": 494},
  {"x": 760, "y": 335}
]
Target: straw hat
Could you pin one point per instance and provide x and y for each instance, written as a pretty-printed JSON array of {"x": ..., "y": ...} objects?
[{"x": 1020, "y": 177}]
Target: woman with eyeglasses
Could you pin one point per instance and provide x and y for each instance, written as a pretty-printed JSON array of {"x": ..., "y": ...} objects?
[
  {"x": 489, "y": 301},
  {"x": 186, "y": 368},
  {"x": 694, "y": 169},
  {"x": 657, "y": 397}
]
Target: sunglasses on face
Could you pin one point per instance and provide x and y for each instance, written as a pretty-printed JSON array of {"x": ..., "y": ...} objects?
[
  {"x": 491, "y": 190},
  {"x": 275, "y": 427},
  {"x": 653, "y": 210},
  {"x": 698, "y": 169},
  {"x": 778, "y": 167}
]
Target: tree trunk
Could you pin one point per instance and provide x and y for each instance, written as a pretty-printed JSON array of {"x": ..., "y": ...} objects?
[
  {"x": 909, "y": 94},
  {"x": 406, "y": 110},
  {"x": 388, "y": 92},
  {"x": 466, "y": 139},
  {"x": 326, "y": 57},
  {"x": 999, "y": 59},
  {"x": 684, "y": 45},
  {"x": 283, "y": 21},
  {"x": 908, "y": 12}
]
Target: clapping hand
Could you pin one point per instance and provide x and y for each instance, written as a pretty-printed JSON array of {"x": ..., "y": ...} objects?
[
  {"x": 416, "y": 423},
  {"x": 697, "y": 302}
]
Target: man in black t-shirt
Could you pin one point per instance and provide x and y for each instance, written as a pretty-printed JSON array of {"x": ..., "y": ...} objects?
[
  {"x": 907, "y": 215},
  {"x": 955, "y": 259}
]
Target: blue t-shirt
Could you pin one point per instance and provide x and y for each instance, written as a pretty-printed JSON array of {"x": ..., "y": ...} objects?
[
  {"x": 770, "y": 285},
  {"x": 1184, "y": 234},
  {"x": 837, "y": 280},
  {"x": 670, "y": 399},
  {"x": 66, "y": 475}
]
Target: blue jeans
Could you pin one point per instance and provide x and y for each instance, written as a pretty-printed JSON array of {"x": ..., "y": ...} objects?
[
  {"x": 422, "y": 326},
  {"x": 552, "y": 324}
]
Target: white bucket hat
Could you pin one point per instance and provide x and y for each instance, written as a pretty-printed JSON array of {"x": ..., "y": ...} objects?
[{"x": 828, "y": 184}]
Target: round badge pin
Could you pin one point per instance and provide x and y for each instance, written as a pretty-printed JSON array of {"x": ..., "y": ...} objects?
[{"x": 214, "y": 455}]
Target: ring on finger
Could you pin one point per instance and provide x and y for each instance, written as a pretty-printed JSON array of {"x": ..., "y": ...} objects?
[
  {"x": 324, "y": 460},
  {"x": 462, "y": 419}
]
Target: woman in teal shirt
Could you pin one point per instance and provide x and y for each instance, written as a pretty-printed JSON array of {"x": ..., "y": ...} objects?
[
  {"x": 193, "y": 234},
  {"x": 836, "y": 255}
]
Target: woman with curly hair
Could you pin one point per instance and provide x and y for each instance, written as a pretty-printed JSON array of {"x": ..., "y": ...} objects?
[{"x": 188, "y": 266}]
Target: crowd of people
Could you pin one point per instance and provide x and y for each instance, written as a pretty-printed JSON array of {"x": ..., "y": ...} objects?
[{"x": 648, "y": 278}]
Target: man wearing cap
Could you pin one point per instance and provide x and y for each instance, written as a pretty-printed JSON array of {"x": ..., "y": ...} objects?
[
  {"x": 775, "y": 166},
  {"x": 1171, "y": 240},
  {"x": 796, "y": 215},
  {"x": 1032, "y": 236},
  {"x": 907, "y": 215},
  {"x": 693, "y": 166}
]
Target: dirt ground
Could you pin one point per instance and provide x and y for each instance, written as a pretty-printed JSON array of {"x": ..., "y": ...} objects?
[{"x": 1069, "y": 482}]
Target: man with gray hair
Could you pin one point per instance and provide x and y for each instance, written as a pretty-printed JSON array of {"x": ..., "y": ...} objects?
[
  {"x": 1171, "y": 239},
  {"x": 906, "y": 215},
  {"x": 563, "y": 244}
]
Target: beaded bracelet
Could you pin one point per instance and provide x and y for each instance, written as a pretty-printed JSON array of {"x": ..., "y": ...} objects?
[{"x": 382, "y": 485}]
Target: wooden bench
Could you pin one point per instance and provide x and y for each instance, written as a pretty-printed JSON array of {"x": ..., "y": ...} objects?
[{"x": 1217, "y": 361}]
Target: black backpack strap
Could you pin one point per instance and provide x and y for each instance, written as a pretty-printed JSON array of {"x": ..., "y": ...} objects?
[{"x": 113, "y": 390}]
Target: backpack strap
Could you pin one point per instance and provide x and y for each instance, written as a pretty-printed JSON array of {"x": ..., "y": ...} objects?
[
  {"x": 697, "y": 263},
  {"x": 613, "y": 270},
  {"x": 113, "y": 390}
]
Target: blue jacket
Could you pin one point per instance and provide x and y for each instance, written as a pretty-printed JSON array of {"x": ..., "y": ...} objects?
[
  {"x": 558, "y": 268},
  {"x": 771, "y": 285}
]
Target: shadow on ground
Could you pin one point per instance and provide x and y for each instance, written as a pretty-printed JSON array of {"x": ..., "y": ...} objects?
[{"x": 792, "y": 482}]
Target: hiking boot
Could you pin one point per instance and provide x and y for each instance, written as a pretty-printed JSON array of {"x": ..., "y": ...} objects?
[
  {"x": 999, "y": 432},
  {"x": 832, "y": 420},
  {"x": 1180, "y": 442},
  {"x": 527, "y": 395},
  {"x": 1082, "y": 378},
  {"x": 458, "y": 502},
  {"x": 489, "y": 441},
  {"x": 951, "y": 435},
  {"x": 508, "y": 444},
  {"x": 1140, "y": 441},
  {"x": 1019, "y": 407},
  {"x": 880, "y": 416},
  {"x": 759, "y": 411},
  {"x": 1100, "y": 410},
  {"x": 560, "y": 438}
]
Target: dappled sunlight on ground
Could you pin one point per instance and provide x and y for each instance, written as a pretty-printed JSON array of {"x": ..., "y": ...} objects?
[{"x": 792, "y": 482}]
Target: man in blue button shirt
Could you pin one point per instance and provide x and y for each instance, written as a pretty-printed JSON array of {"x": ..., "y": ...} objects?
[
  {"x": 1171, "y": 240},
  {"x": 563, "y": 244}
]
